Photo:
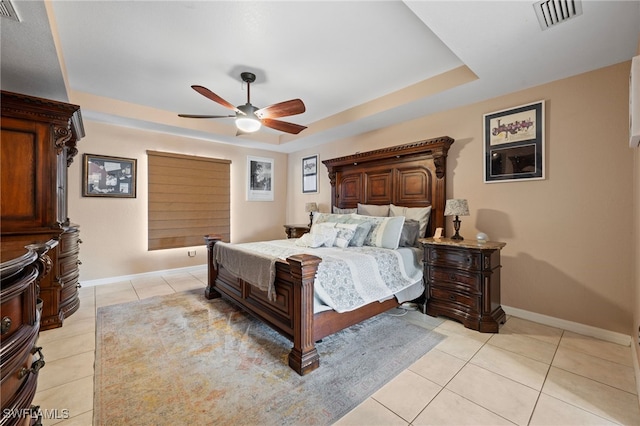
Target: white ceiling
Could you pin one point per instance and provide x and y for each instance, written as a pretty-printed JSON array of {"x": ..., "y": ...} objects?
[{"x": 352, "y": 63}]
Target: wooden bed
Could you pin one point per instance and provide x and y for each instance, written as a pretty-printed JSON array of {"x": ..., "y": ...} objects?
[{"x": 411, "y": 175}]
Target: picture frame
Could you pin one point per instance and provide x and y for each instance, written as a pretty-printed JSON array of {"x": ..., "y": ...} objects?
[
  {"x": 310, "y": 174},
  {"x": 514, "y": 145},
  {"x": 260, "y": 179},
  {"x": 108, "y": 177}
]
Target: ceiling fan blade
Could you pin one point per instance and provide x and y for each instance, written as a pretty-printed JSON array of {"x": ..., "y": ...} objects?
[
  {"x": 282, "y": 109},
  {"x": 204, "y": 116},
  {"x": 283, "y": 126},
  {"x": 209, "y": 94}
]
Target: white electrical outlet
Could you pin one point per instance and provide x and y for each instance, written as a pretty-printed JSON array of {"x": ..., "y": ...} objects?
[{"x": 191, "y": 253}]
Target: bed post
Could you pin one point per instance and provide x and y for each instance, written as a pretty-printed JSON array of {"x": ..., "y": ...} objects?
[
  {"x": 212, "y": 272},
  {"x": 303, "y": 357}
]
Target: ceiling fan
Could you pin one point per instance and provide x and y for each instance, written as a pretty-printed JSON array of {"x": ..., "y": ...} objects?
[{"x": 249, "y": 118}]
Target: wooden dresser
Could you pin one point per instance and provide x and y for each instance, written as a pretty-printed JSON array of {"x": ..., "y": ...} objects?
[
  {"x": 38, "y": 144},
  {"x": 20, "y": 359},
  {"x": 463, "y": 282}
]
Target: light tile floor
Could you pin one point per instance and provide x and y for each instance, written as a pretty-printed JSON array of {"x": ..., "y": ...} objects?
[{"x": 528, "y": 374}]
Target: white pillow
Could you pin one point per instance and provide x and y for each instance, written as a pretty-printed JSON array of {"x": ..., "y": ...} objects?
[
  {"x": 337, "y": 210},
  {"x": 326, "y": 230},
  {"x": 311, "y": 240},
  {"x": 373, "y": 210},
  {"x": 421, "y": 214},
  {"x": 346, "y": 231},
  {"x": 319, "y": 217},
  {"x": 385, "y": 231}
]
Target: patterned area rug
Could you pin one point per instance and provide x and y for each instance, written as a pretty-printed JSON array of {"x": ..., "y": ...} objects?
[{"x": 183, "y": 359}]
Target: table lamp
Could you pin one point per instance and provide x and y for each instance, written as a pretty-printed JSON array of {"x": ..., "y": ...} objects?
[
  {"x": 311, "y": 208},
  {"x": 456, "y": 207}
]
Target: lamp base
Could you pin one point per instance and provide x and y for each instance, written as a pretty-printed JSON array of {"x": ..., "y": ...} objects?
[{"x": 456, "y": 226}]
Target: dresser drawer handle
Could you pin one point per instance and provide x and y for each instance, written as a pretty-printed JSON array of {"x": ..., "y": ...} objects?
[
  {"x": 6, "y": 325},
  {"x": 35, "y": 366},
  {"x": 452, "y": 277},
  {"x": 469, "y": 260},
  {"x": 452, "y": 297}
]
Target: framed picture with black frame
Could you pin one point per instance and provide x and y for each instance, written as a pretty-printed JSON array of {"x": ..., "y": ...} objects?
[
  {"x": 107, "y": 176},
  {"x": 514, "y": 144},
  {"x": 310, "y": 174},
  {"x": 259, "y": 179}
]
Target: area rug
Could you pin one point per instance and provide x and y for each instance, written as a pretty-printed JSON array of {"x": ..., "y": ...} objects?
[{"x": 182, "y": 359}]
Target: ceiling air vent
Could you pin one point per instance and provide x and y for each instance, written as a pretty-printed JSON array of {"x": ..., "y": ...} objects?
[
  {"x": 7, "y": 10},
  {"x": 554, "y": 12}
]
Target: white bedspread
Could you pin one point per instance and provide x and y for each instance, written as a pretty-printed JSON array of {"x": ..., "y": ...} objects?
[{"x": 346, "y": 278}]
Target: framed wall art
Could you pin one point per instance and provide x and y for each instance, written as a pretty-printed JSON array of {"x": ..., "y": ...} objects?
[
  {"x": 105, "y": 176},
  {"x": 310, "y": 174},
  {"x": 514, "y": 144},
  {"x": 259, "y": 179}
]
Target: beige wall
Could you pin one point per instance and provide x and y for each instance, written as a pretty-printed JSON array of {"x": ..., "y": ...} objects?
[
  {"x": 569, "y": 250},
  {"x": 114, "y": 231}
]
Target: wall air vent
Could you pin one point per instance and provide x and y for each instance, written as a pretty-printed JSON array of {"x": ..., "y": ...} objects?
[
  {"x": 7, "y": 10},
  {"x": 553, "y": 12}
]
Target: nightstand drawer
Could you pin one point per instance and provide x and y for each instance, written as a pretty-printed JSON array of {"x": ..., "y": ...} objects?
[
  {"x": 455, "y": 277},
  {"x": 466, "y": 259},
  {"x": 469, "y": 301}
]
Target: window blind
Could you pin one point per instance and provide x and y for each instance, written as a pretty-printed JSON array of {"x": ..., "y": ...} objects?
[{"x": 189, "y": 197}]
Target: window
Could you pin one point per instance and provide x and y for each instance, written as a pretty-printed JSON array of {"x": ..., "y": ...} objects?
[{"x": 189, "y": 198}]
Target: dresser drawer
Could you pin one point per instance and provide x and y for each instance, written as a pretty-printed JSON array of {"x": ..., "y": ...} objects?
[
  {"x": 68, "y": 267},
  {"x": 451, "y": 257},
  {"x": 456, "y": 278},
  {"x": 69, "y": 242},
  {"x": 468, "y": 301}
]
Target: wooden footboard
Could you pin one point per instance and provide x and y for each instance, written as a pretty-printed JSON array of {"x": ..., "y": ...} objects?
[{"x": 291, "y": 313}]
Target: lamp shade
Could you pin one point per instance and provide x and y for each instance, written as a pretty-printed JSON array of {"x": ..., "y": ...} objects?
[
  {"x": 311, "y": 207},
  {"x": 456, "y": 207}
]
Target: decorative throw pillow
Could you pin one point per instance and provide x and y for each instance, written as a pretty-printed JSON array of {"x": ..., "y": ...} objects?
[
  {"x": 385, "y": 231},
  {"x": 364, "y": 226},
  {"x": 326, "y": 230},
  {"x": 421, "y": 214},
  {"x": 362, "y": 231},
  {"x": 409, "y": 234},
  {"x": 343, "y": 211},
  {"x": 346, "y": 231},
  {"x": 311, "y": 240},
  {"x": 373, "y": 210}
]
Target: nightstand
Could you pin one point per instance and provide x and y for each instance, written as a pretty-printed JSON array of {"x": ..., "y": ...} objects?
[
  {"x": 296, "y": 231},
  {"x": 462, "y": 281}
]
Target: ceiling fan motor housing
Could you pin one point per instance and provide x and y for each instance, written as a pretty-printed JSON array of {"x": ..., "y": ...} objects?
[
  {"x": 248, "y": 110},
  {"x": 248, "y": 77}
]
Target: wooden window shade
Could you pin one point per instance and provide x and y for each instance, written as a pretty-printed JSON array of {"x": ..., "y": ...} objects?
[{"x": 189, "y": 197}]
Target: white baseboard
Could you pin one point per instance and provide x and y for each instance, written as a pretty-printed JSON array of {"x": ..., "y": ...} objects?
[
  {"x": 111, "y": 280},
  {"x": 587, "y": 330}
]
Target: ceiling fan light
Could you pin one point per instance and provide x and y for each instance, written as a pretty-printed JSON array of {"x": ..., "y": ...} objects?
[{"x": 248, "y": 124}]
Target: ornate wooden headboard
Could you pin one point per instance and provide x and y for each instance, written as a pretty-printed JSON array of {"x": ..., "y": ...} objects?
[{"x": 411, "y": 175}]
